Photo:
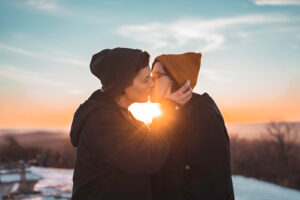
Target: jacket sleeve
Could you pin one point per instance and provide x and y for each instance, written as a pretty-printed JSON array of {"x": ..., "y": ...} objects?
[
  {"x": 208, "y": 155},
  {"x": 140, "y": 150}
]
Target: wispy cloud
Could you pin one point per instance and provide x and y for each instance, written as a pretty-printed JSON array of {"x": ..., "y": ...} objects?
[
  {"x": 213, "y": 75},
  {"x": 43, "y": 4},
  {"x": 49, "y": 7},
  {"x": 21, "y": 51},
  {"x": 277, "y": 2},
  {"x": 200, "y": 34},
  {"x": 26, "y": 76}
]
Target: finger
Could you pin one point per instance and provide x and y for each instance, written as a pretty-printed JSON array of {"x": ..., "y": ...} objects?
[
  {"x": 183, "y": 88},
  {"x": 187, "y": 93},
  {"x": 184, "y": 98},
  {"x": 187, "y": 99},
  {"x": 188, "y": 89}
]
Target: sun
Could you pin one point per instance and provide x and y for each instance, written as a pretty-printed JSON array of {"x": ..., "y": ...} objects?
[{"x": 145, "y": 112}]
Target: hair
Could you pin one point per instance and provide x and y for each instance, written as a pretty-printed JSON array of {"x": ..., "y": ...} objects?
[
  {"x": 175, "y": 85},
  {"x": 143, "y": 62}
]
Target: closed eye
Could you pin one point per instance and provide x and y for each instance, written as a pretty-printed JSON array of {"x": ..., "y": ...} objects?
[{"x": 146, "y": 79}]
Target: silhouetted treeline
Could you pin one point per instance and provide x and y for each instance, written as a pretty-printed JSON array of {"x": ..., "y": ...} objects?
[
  {"x": 274, "y": 157},
  {"x": 60, "y": 157}
]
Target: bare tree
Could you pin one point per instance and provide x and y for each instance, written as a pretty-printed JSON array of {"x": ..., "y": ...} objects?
[{"x": 284, "y": 136}]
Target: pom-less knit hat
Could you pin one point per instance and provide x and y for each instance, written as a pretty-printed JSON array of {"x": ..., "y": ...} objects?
[
  {"x": 182, "y": 67},
  {"x": 116, "y": 68}
]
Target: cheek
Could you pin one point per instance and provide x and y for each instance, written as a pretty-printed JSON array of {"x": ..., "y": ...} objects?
[
  {"x": 138, "y": 92},
  {"x": 141, "y": 89},
  {"x": 161, "y": 85}
]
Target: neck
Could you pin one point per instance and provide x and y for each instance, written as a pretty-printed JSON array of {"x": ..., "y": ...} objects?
[{"x": 123, "y": 102}]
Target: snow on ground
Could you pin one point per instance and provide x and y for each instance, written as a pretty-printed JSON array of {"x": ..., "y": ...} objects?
[
  {"x": 59, "y": 182},
  {"x": 16, "y": 176},
  {"x": 55, "y": 182},
  {"x": 253, "y": 189}
]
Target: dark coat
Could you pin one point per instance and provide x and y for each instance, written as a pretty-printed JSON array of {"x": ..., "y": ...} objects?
[
  {"x": 116, "y": 154},
  {"x": 198, "y": 166}
]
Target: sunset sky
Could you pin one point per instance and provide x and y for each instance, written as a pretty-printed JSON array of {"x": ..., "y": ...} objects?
[{"x": 250, "y": 63}]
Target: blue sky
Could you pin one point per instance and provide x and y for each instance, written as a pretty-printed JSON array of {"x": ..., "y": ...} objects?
[{"x": 250, "y": 50}]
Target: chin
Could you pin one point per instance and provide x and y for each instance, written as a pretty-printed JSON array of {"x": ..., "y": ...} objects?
[
  {"x": 153, "y": 99},
  {"x": 143, "y": 100}
]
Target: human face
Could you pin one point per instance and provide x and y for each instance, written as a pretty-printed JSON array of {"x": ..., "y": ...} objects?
[
  {"x": 141, "y": 87},
  {"x": 162, "y": 82}
]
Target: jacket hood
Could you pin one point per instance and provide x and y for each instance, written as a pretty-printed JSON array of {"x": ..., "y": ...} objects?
[{"x": 98, "y": 100}]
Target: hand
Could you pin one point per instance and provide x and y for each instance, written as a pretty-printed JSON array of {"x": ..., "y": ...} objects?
[{"x": 182, "y": 95}]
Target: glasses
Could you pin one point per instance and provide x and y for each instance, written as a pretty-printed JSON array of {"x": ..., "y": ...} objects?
[{"x": 157, "y": 75}]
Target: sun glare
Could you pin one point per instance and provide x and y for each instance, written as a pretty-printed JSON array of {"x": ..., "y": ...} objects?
[{"x": 145, "y": 111}]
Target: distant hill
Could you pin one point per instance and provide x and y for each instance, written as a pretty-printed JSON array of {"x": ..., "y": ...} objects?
[
  {"x": 250, "y": 130},
  {"x": 53, "y": 137},
  {"x": 43, "y": 139}
]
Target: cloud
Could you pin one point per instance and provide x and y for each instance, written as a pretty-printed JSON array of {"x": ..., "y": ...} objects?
[
  {"x": 31, "y": 77},
  {"x": 43, "y": 4},
  {"x": 213, "y": 75},
  {"x": 27, "y": 76},
  {"x": 21, "y": 51},
  {"x": 52, "y": 7},
  {"x": 200, "y": 34},
  {"x": 277, "y": 2}
]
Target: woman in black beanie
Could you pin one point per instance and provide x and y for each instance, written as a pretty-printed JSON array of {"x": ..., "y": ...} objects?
[{"x": 115, "y": 152}]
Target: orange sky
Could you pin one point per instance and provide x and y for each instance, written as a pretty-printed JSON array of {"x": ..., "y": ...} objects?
[{"x": 20, "y": 112}]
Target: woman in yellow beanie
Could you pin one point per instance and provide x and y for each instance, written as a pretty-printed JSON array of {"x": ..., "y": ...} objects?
[{"x": 198, "y": 165}]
